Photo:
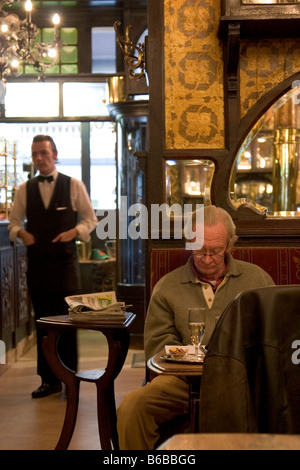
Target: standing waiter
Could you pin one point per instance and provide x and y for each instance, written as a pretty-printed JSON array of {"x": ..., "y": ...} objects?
[{"x": 50, "y": 204}]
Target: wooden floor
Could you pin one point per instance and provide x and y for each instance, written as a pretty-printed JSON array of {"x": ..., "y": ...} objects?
[{"x": 35, "y": 424}]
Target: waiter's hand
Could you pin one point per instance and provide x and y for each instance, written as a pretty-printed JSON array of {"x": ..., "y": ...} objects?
[
  {"x": 26, "y": 237},
  {"x": 66, "y": 236}
]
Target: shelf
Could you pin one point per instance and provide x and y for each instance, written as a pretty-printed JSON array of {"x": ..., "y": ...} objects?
[{"x": 260, "y": 21}]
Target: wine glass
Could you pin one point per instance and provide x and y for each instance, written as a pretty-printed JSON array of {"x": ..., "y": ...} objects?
[{"x": 197, "y": 318}]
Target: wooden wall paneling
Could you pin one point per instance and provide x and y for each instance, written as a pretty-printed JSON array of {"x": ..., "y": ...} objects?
[
  {"x": 231, "y": 82},
  {"x": 22, "y": 301},
  {"x": 156, "y": 136}
]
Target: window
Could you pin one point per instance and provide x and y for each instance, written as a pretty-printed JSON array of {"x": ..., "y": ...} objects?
[
  {"x": 96, "y": 161},
  {"x": 68, "y": 137},
  {"x": 68, "y": 56},
  {"x": 103, "y": 165},
  {"x": 41, "y": 99},
  {"x": 38, "y": 99},
  {"x": 103, "y": 50},
  {"x": 84, "y": 99}
]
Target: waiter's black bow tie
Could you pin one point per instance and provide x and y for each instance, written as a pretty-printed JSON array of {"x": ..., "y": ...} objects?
[{"x": 43, "y": 178}]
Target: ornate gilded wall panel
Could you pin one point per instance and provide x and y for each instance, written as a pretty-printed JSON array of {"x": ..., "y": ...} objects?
[
  {"x": 194, "y": 101},
  {"x": 263, "y": 65}
]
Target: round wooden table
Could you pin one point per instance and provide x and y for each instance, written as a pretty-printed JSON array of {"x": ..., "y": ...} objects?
[
  {"x": 193, "y": 372},
  {"x": 231, "y": 441},
  {"x": 118, "y": 337}
]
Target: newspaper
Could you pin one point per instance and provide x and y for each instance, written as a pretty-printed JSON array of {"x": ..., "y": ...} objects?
[{"x": 100, "y": 306}]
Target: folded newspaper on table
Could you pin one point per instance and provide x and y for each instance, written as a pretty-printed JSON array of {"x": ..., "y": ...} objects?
[{"x": 96, "y": 307}]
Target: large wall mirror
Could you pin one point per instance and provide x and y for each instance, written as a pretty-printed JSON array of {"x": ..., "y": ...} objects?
[
  {"x": 266, "y": 171},
  {"x": 189, "y": 182}
]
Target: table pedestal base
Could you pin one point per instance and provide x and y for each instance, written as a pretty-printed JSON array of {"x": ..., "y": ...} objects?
[{"x": 118, "y": 343}]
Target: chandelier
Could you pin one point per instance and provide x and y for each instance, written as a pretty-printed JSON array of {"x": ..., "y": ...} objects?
[{"x": 19, "y": 43}]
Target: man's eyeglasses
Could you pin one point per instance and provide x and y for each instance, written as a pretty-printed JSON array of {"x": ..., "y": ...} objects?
[{"x": 216, "y": 257}]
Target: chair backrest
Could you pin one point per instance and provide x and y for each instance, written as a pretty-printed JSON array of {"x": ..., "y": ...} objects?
[{"x": 251, "y": 373}]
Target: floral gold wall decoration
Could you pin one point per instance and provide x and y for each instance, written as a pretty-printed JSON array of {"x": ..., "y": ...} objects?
[{"x": 194, "y": 101}]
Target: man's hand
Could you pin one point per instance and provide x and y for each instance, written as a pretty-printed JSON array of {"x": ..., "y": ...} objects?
[
  {"x": 26, "y": 237},
  {"x": 66, "y": 236}
]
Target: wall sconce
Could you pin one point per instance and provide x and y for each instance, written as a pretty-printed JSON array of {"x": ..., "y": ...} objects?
[{"x": 134, "y": 54}]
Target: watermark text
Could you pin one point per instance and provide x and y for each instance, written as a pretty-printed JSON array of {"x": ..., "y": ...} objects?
[
  {"x": 296, "y": 354},
  {"x": 135, "y": 222},
  {"x": 2, "y": 352}
]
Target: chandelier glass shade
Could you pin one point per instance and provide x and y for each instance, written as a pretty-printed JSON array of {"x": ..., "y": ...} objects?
[{"x": 20, "y": 43}]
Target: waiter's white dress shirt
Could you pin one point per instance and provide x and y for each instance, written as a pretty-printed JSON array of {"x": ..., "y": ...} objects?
[{"x": 80, "y": 202}]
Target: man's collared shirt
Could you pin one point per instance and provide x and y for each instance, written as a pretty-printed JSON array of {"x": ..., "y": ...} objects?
[
  {"x": 209, "y": 287},
  {"x": 80, "y": 202}
]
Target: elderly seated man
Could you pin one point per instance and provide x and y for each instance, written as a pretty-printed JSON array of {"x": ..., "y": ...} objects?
[{"x": 211, "y": 278}]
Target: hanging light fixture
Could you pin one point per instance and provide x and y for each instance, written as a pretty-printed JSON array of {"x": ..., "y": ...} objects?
[{"x": 19, "y": 43}]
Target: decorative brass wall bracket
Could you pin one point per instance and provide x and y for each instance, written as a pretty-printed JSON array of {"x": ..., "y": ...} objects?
[{"x": 134, "y": 54}]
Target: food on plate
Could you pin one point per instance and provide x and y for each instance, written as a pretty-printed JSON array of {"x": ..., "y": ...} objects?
[{"x": 177, "y": 352}]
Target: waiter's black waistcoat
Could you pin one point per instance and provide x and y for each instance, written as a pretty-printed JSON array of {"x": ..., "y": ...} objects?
[{"x": 52, "y": 267}]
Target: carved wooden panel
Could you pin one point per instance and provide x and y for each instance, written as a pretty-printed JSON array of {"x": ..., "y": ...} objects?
[
  {"x": 7, "y": 290},
  {"x": 22, "y": 302}
]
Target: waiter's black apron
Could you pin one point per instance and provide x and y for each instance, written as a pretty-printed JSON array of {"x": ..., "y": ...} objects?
[
  {"x": 53, "y": 270},
  {"x": 52, "y": 267}
]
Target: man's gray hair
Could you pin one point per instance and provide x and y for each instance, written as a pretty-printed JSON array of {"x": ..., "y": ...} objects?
[{"x": 212, "y": 215}]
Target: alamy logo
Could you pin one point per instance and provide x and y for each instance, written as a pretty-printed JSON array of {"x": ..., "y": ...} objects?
[
  {"x": 296, "y": 354},
  {"x": 160, "y": 219},
  {"x": 2, "y": 352}
]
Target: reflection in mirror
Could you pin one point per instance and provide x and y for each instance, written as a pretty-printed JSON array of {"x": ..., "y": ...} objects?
[
  {"x": 266, "y": 169},
  {"x": 189, "y": 182}
]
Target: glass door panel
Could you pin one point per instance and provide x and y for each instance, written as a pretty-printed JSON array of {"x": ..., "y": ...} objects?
[{"x": 103, "y": 165}]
